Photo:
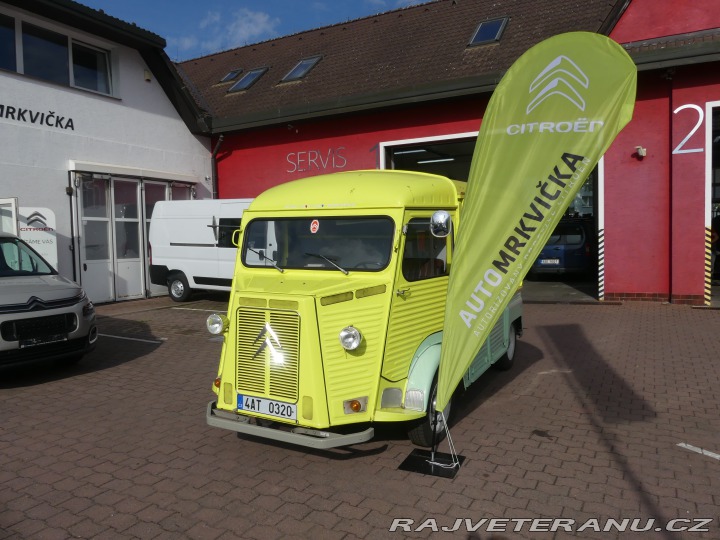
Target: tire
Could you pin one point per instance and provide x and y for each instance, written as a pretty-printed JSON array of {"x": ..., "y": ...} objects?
[
  {"x": 421, "y": 434},
  {"x": 178, "y": 287},
  {"x": 507, "y": 360}
]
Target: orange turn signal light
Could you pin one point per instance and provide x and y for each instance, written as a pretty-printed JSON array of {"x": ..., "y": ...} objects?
[
  {"x": 217, "y": 383},
  {"x": 355, "y": 405}
]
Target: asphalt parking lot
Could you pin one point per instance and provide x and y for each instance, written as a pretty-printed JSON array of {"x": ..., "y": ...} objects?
[{"x": 611, "y": 413}]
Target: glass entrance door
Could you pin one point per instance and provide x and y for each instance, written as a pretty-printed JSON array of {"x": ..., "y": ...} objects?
[
  {"x": 152, "y": 193},
  {"x": 96, "y": 265},
  {"x": 129, "y": 257}
]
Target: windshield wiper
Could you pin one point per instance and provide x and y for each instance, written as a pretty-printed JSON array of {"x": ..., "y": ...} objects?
[
  {"x": 266, "y": 258},
  {"x": 328, "y": 260}
]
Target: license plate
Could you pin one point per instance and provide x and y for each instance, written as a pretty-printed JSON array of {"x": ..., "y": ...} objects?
[
  {"x": 32, "y": 342},
  {"x": 549, "y": 261},
  {"x": 270, "y": 407}
]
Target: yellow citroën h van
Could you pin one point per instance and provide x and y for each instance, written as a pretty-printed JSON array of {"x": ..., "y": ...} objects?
[{"x": 336, "y": 310}]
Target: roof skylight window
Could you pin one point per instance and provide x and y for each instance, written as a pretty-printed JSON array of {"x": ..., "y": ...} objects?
[
  {"x": 301, "y": 69},
  {"x": 489, "y": 31},
  {"x": 247, "y": 80},
  {"x": 231, "y": 76}
]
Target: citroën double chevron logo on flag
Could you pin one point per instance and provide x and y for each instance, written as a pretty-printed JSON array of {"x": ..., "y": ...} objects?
[{"x": 559, "y": 78}]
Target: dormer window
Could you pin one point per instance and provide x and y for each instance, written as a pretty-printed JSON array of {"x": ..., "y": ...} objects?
[
  {"x": 301, "y": 69},
  {"x": 247, "y": 80},
  {"x": 231, "y": 76},
  {"x": 488, "y": 32}
]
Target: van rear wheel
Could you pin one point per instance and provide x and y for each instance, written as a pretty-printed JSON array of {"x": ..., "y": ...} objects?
[
  {"x": 178, "y": 287},
  {"x": 507, "y": 360}
]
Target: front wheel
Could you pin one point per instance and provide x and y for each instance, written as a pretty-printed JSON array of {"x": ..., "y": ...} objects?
[
  {"x": 178, "y": 287},
  {"x": 422, "y": 433}
]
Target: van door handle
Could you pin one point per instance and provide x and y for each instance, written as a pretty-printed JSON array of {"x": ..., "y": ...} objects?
[
  {"x": 402, "y": 292},
  {"x": 85, "y": 267}
]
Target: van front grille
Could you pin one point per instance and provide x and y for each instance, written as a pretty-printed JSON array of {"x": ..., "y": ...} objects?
[{"x": 268, "y": 353}]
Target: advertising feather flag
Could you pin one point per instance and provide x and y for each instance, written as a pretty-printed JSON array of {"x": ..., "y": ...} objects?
[{"x": 552, "y": 117}]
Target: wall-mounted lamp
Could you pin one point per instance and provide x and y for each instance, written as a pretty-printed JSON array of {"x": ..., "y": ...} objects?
[{"x": 639, "y": 153}]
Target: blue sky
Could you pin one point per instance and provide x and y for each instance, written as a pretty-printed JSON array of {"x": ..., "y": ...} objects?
[{"x": 195, "y": 28}]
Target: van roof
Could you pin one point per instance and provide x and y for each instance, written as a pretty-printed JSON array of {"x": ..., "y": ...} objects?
[{"x": 363, "y": 189}]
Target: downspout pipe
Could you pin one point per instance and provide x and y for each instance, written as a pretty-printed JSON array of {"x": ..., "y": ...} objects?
[{"x": 214, "y": 166}]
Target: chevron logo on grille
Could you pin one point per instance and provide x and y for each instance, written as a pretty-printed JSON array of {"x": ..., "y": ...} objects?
[{"x": 268, "y": 340}]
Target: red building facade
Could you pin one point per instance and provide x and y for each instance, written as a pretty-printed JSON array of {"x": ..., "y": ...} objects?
[{"x": 655, "y": 192}]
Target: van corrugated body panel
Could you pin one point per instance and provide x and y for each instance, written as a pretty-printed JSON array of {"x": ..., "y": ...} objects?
[
  {"x": 352, "y": 374},
  {"x": 406, "y": 330}
]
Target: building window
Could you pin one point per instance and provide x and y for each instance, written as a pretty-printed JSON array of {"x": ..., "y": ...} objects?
[
  {"x": 53, "y": 57},
  {"x": 45, "y": 54},
  {"x": 231, "y": 76},
  {"x": 7, "y": 43},
  {"x": 91, "y": 68},
  {"x": 248, "y": 80},
  {"x": 301, "y": 69},
  {"x": 489, "y": 32}
]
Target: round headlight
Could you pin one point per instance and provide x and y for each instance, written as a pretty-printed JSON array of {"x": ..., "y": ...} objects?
[
  {"x": 350, "y": 338},
  {"x": 216, "y": 324}
]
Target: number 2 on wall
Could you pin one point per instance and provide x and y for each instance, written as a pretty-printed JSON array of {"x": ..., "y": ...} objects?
[{"x": 701, "y": 115}]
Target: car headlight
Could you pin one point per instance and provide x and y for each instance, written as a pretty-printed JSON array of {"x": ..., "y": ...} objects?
[
  {"x": 216, "y": 324},
  {"x": 350, "y": 338}
]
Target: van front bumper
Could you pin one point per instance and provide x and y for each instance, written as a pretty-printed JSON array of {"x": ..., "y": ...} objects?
[{"x": 312, "y": 438}]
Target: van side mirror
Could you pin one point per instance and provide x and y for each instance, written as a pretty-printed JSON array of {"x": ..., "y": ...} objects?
[
  {"x": 440, "y": 224},
  {"x": 236, "y": 238}
]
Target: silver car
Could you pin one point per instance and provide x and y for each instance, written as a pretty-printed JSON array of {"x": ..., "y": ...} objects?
[{"x": 42, "y": 314}]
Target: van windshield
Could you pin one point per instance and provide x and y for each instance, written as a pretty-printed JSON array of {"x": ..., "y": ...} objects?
[
  {"x": 328, "y": 243},
  {"x": 19, "y": 259}
]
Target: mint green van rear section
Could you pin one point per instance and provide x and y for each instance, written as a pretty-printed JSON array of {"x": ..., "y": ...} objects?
[{"x": 339, "y": 325}]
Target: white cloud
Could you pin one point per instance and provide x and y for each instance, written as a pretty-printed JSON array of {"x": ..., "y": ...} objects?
[
  {"x": 248, "y": 27},
  {"x": 218, "y": 32},
  {"x": 181, "y": 44},
  {"x": 210, "y": 19}
]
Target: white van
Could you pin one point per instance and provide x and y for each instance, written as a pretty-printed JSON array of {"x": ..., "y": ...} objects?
[{"x": 191, "y": 244}]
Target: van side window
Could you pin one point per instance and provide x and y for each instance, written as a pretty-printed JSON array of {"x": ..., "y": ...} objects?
[
  {"x": 225, "y": 231},
  {"x": 425, "y": 256}
]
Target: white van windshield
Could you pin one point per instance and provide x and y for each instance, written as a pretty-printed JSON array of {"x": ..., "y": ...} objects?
[
  {"x": 19, "y": 259},
  {"x": 356, "y": 243}
]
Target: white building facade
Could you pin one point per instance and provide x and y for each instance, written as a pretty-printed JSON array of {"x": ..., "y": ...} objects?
[{"x": 91, "y": 136}]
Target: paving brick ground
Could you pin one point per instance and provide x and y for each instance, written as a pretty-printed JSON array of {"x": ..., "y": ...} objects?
[{"x": 586, "y": 427}]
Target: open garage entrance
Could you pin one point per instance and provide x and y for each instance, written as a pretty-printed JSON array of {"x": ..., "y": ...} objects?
[{"x": 567, "y": 268}]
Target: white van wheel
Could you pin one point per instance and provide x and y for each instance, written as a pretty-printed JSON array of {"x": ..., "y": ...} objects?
[
  {"x": 507, "y": 360},
  {"x": 178, "y": 287}
]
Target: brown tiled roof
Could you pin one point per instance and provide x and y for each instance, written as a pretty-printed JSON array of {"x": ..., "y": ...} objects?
[
  {"x": 407, "y": 55},
  {"x": 678, "y": 49}
]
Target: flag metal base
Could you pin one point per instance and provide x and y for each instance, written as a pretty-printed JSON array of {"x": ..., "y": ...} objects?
[{"x": 419, "y": 461}]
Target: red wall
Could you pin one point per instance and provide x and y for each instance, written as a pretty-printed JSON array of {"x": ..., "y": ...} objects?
[
  {"x": 646, "y": 19},
  {"x": 693, "y": 88},
  {"x": 637, "y": 196},
  {"x": 250, "y": 162},
  {"x": 654, "y": 210}
]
